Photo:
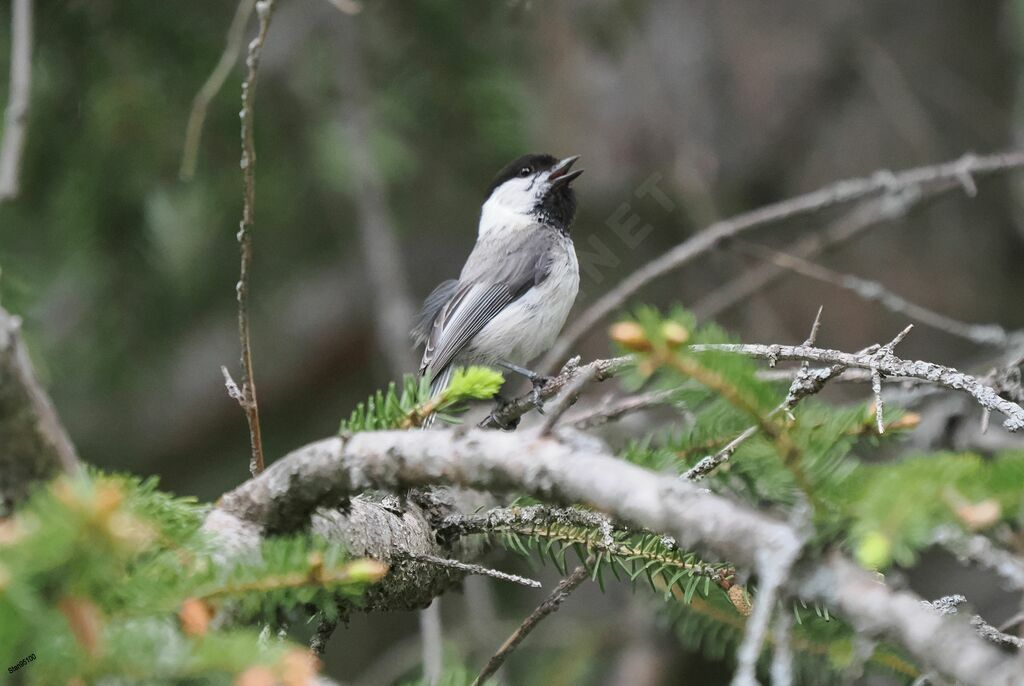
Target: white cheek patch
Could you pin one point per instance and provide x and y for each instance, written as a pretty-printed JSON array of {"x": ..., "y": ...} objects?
[{"x": 511, "y": 205}]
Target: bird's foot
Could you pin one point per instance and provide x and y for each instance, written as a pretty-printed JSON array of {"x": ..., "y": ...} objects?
[
  {"x": 501, "y": 403},
  {"x": 538, "y": 382}
]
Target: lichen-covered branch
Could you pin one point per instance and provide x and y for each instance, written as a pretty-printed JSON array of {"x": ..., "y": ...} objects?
[
  {"x": 399, "y": 532},
  {"x": 327, "y": 471},
  {"x": 883, "y": 361},
  {"x": 962, "y": 170}
]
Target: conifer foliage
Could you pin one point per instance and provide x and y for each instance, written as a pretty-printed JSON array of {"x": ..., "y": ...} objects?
[
  {"x": 108, "y": 580},
  {"x": 120, "y": 581}
]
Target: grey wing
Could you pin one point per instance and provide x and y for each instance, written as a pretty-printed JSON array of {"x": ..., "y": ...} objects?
[
  {"x": 431, "y": 308},
  {"x": 485, "y": 291}
]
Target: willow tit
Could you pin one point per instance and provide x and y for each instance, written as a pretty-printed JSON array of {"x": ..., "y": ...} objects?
[{"x": 519, "y": 283}]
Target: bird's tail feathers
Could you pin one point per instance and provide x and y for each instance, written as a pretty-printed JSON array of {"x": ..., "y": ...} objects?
[{"x": 438, "y": 385}]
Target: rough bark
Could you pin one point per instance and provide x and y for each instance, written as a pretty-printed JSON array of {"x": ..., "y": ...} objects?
[
  {"x": 33, "y": 444},
  {"x": 328, "y": 470}
]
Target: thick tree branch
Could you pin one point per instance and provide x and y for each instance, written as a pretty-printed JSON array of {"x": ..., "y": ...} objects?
[
  {"x": 33, "y": 444},
  {"x": 16, "y": 117},
  {"x": 396, "y": 531},
  {"x": 328, "y": 470},
  {"x": 962, "y": 170}
]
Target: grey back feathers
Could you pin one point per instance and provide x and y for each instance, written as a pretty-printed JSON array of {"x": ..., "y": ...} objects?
[{"x": 502, "y": 267}]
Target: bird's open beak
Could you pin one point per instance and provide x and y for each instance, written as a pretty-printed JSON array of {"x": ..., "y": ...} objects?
[{"x": 560, "y": 174}]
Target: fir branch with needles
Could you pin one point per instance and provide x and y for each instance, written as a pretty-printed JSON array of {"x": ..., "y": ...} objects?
[{"x": 409, "y": 408}]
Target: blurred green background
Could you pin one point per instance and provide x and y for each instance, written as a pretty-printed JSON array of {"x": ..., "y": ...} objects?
[{"x": 125, "y": 274}]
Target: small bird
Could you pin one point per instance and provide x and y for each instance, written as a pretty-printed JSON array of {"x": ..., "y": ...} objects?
[{"x": 519, "y": 283}]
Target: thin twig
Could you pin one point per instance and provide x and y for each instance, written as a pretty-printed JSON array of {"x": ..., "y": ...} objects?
[
  {"x": 610, "y": 410},
  {"x": 981, "y": 550},
  {"x": 214, "y": 82},
  {"x": 16, "y": 117},
  {"x": 950, "y": 605},
  {"x": 569, "y": 398},
  {"x": 982, "y": 334},
  {"x": 961, "y": 170},
  {"x": 550, "y": 605},
  {"x": 476, "y": 569},
  {"x": 865, "y": 215},
  {"x": 805, "y": 383},
  {"x": 264, "y": 11}
]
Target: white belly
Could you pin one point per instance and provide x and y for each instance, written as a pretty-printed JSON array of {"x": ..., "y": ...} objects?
[{"x": 528, "y": 327}]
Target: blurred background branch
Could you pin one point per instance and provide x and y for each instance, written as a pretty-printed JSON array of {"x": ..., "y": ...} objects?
[
  {"x": 12, "y": 146},
  {"x": 35, "y": 445}
]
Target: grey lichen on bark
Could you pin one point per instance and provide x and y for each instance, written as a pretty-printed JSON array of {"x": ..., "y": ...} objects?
[
  {"x": 399, "y": 531},
  {"x": 33, "y": 445}
]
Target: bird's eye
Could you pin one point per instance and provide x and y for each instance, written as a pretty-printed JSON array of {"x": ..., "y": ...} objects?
[{"x": 525, "y": 171}]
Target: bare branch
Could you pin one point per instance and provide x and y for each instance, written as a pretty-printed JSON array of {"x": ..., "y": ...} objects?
[
  {"x": 12, "y": 147},
  {"x": 982, "y": 334},
  {"x": 550, "y": 605},
  {"x": 569, "y": 397},
  {"x": 950, "y": 605},
  {"x": 985, "y": 553},
  {"x": 480, "y": 570},
  {"x": 214, "y": 82},
  {"x": 610, "y": 410},
  {"x": 35, "y": 445},
  {"x": 888, "y": 364},
  {"x": 865, "y": 215},
  {"x": 544, "y": 468},
  {"x": 709, "y": 238},
  {"x": 264, "y": 11},
  {"x": 805, "y": 383}
]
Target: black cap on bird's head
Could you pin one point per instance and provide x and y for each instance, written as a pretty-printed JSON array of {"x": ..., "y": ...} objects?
[{"x": 539, "y": 185}]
